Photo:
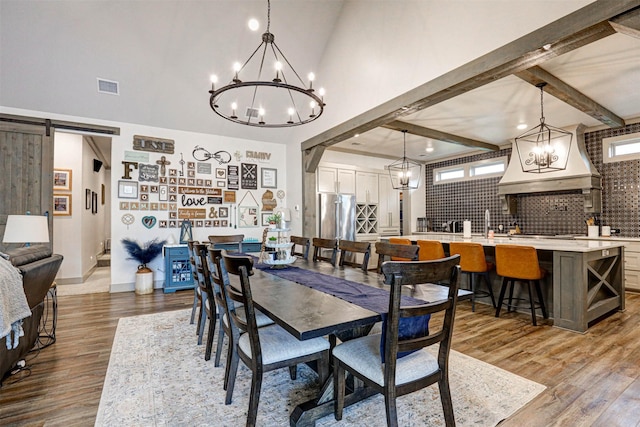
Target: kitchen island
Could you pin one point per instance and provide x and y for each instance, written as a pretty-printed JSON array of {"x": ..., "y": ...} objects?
[{"x": 587, "y": 275}]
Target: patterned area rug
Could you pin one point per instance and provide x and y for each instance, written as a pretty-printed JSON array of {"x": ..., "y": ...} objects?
[{"x": 157, "y": 376}]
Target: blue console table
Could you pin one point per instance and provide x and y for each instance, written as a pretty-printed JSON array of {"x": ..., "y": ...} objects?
[{"x": 177, "y": 267}]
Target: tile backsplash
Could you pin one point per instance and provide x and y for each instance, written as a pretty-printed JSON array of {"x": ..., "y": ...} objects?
[{"x": 543, "y": 213}]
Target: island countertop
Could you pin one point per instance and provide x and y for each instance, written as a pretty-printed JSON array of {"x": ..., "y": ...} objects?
[{"x": 550, "y": 244}]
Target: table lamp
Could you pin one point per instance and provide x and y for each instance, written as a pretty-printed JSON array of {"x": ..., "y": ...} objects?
[{"x": 26, "y": 229}]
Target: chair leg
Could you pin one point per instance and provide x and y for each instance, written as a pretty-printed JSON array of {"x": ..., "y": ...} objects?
[
  {"x": 195, "y": 306},
  {"x": 202, "y": 320},
  {"x": 254, "y": 399},
  {"x": 473, "y": 280},
  {"x": 501, "y": 297},
  {"x": 293, "y": 372},
  {"x": 232, "y": 366},
  {"x": 490, "y": 288},
  {"x": 510, "y": 305},
  {"x": 210, "y": 333},
  {"x": 390, "y": 407},
  {"x": 445, "y": 398},
  {"x": 220, "y": 343},
  {"x": 532, "y": 303},
  {"x": 231, "y": 353},
  {"x": 338, "y": 390},
  {"x": 541, "y": 299}
]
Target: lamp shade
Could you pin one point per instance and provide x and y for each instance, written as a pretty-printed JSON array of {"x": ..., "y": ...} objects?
[{"x": 26, "y": 229}]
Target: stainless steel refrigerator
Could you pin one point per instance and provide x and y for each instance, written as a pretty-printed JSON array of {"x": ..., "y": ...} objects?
[{"x": 337, "y": 216}]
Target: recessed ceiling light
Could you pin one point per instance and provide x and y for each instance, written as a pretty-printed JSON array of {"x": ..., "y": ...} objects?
[
  {"x": 429, "y": 149},
  {"x": 522, "y": 126},
  {"x": 254, "y": 24}
]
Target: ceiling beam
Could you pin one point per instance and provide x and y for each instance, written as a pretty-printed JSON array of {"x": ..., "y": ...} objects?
[
  {"x": 577, "y": 29},
  {"x": 628, "y": 24},
  {"x": 570, "y": 95},
  {"x": 438, "y": 135}
]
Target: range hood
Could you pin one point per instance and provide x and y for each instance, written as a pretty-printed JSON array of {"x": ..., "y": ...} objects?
[{"x": 580, "y": 175}]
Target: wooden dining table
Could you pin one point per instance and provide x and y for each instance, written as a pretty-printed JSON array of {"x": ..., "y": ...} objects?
[{"x": 309, "y": 313}]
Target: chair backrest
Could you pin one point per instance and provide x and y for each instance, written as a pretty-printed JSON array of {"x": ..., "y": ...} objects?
[
  {"x": 220, "y": 281},
  {"x": 304, "y": 243},
  {"x": 430, "y": 250},
  {"x": 406, "y": 252},
  {"x": 228, "y": 239},
  {"x": 241, "y": 266},
  {"x": 320, "y": 244},
  {"x": 202, "y": 269},
  {"x": 518, "y": 262},
  {"x": 472, "y": 257},
  {"x": 348, "y": 247},
  {"x": 399, "y": 241},
  {"x": 399, "y": 274}
]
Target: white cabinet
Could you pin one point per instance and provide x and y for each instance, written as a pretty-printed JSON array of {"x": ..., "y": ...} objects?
[
  {"x": 632, "y": 266},
  {"x": 333, "y": 180},
  {"x": 367, "y": 187},
  {"x": 388, "y": 206}
]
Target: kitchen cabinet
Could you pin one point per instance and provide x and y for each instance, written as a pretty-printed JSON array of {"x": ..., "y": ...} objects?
[
  {"x": 388, "y": 206},
  {"x": 335, "y": 180},
  {"x": 366, "y": 187},
  {"x": 632, "y": 266}
]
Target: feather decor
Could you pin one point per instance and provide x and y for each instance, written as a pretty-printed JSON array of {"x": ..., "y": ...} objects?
[{"x": 143, "y": 254}]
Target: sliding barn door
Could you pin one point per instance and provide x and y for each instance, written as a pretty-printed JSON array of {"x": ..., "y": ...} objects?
[{"x": 26, "y": 173}]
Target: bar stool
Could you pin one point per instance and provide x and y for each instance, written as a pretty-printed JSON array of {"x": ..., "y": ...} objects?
[
  {"x": 430, "y": 250},
  {"x": 474, "y": 263},
  {"x": 399, "y": 241},
  {"x": 520, "y": 263}
]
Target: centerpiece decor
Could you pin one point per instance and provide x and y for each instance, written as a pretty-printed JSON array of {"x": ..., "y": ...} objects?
[
  {"x": 144, "y": 255},
  {"x": 274, "y": 220}
]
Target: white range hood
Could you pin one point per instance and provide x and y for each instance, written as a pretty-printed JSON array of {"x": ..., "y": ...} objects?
[{"x": 580, "y": 174}]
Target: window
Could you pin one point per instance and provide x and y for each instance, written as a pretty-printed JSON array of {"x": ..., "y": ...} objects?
[
  {"x": 619, "y": 148},
  {"x": 481, "y": 169}
]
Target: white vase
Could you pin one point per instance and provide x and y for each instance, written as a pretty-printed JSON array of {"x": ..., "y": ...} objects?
[{"x": 144, "y": 281}]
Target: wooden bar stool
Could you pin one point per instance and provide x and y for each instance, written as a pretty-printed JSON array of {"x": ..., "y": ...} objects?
[
  {"x": 520, "y": 263},
  {"x": 474, "y": 263},
  {"x": 430, "y": 250}
]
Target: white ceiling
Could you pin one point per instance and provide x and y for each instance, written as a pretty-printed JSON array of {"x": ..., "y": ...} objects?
[{"x": 162, "y": 53}]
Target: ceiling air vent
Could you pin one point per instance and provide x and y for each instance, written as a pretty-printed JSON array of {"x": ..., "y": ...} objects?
[
  {"x": 108, "y": 86},
  {"x": 252, "y": 112}
]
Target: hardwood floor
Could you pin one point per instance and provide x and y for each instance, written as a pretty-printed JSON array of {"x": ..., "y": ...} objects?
[{"x": 591, "y": 378}]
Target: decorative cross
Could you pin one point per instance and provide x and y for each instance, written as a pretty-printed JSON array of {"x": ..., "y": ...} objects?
[{"x": 163, "y": 162}]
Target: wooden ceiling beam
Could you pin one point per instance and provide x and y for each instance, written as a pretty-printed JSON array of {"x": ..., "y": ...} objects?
[
  {"x": 438, "y": 135},
  {"x": 570, "y": 95},
  {"x": 575, "y": 30},
  {"x": 628, "y": 24}
]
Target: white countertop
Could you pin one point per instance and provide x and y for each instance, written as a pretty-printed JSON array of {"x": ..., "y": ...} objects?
[{"x": 552, "y": 244}]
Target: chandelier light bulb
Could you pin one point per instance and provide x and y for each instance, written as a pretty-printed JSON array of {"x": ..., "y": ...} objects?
[
  {"x": 291, "y": 112},
  {"x": 311, "y": 77},
  {"x": 253, "y": 24},
  {"x": 278, "y": 66},
  {"x": 278, "y": 69},
  {"x": 234, "y": 107},
  {"x": 214, "y": 80}
]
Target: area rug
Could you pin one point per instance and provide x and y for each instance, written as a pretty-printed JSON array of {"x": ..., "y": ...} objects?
[{"x": 157, "y": 376}]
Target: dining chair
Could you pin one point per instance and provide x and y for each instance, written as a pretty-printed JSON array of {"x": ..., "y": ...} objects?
[
  {"x": 517, "y": 263},
  {"x": 197, "y": 291},
  {"x": 267, "y": 348},
  {"x": 226, "y": 240},
  {"x": 304, "y": 243},
  {"x": 399, "y": 241},
  {"x": 208, "y": 310},
  {"x": 325, "y": 244},
  {"x": 384, "y": 249},
  {"x": 348, "y": 251},
  {"x": 474, "y": 263},
  {"x": 401, "y": 374},
  {"x": 220, "y": 279},
  {"x": 430, "y": 250}
]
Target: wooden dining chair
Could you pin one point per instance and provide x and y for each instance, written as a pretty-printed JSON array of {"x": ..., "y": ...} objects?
[
  {"x": 197, "y": 291},
  {"x": 384, "y": 250},
  {"x": 208, "y": 307},
  {"x": 304, "y": 243},
  {"x": 320, "y": 245},
  {"x": 399, "y": 241},
  {"x": 348, "y": 251},
  {"x": 227, "y": 240},
  {"x": 401, "y": 374},
  {"x": 268, "y": 348}
]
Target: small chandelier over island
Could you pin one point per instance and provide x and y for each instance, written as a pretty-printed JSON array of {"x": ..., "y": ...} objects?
[{"x": 282, "y": 101}]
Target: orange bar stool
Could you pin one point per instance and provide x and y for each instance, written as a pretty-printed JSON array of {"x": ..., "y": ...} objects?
[
  {"x": 430, "y": 250},
  {"x": 474, "y": 263},
  {"x": 399, "y": 241},
  {"x": 520, "y": 263}
]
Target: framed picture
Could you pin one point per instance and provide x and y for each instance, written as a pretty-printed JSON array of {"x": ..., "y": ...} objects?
[
  {"x": 87, "y": 198},
  {"x": 127, "y": 189},
  {"x": 265, "y": 221},
  {"x": 269, "y": 178},
  {"x": 62, "y": 204},
  {"x": 94, "y": 202},
  {"x": 62, "y": 179},
  {"x": 103, "y": 194}
]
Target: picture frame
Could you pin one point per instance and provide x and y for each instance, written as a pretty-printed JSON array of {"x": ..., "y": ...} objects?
[
  {"x": 62, "y": 204},
  {"x": 94, "y": 202},
  {"x": 269, "y": 178},
  {"x": 127, "y": 190},
  {"x": 87, "y": 198},
  {"x": 265, "y": 220},
  {"x": 62, "y": 179}
]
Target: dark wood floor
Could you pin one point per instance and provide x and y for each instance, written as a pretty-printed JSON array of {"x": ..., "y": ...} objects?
[{"x": 591, "y": 379}]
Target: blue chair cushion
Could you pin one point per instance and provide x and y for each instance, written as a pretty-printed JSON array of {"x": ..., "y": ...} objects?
[{"x": 408, "y": 327}]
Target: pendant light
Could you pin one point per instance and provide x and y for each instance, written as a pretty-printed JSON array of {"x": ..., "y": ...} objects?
[{"x": 405, "y": 173}]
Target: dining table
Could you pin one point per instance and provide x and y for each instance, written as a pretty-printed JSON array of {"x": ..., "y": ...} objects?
[{"x": 308, "y": 299}]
